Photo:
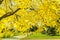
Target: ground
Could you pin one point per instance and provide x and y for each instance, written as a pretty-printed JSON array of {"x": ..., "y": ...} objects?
[{"x": 36, "y": 36}]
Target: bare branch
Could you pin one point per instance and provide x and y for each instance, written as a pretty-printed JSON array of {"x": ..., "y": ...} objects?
[{"x": 9, "y": 14}]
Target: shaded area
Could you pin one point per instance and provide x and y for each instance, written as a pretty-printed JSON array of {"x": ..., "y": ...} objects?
[{"x": 1, "y": 1}]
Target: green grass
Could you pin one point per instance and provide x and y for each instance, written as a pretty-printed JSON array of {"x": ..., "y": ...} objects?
[{"x": 43, "y": 36}]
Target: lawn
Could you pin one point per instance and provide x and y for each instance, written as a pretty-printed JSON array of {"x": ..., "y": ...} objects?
[
  {"x": 42, "y": 36},
  {"x": 38, "y": 36}
]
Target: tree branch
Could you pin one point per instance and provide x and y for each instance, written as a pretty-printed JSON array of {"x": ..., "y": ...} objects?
[
  {"x": 1, "y": 1},
  {"x": 9, "y": 14}
]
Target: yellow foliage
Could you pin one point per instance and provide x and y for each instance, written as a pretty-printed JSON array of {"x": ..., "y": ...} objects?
[{"x": 31, "y": 12}]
